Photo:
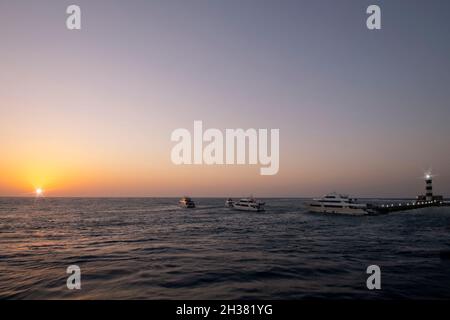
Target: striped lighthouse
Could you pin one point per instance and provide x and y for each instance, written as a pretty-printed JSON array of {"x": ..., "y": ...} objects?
[{"x": 429, "y": 187}]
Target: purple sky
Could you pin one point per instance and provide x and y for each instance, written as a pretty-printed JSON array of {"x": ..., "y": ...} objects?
[{"x": 90, "y": 112}]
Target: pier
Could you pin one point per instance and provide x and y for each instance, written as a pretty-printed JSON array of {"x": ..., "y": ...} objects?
[
  {"x": 422, "y": 201},
  {"x": 393, "y": 207}
]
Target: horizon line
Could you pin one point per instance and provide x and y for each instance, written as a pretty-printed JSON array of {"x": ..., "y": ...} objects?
[{"x": 204, "y": 197}]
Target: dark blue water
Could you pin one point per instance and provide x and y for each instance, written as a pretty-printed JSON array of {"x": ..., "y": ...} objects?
[{"x": 151, "y": 249}]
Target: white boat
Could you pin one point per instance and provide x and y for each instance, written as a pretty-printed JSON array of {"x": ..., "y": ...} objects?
[
  {"x": 249, "y": 204},
  {"x": 338, "y": 204},
  {"x": 229, "y": 203},
  {"x": 186, "y": 202}
]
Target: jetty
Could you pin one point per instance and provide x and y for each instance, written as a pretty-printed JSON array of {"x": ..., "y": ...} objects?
[
  {"x": 393, "y": 207},
  {"x": 422, "y": 201}
]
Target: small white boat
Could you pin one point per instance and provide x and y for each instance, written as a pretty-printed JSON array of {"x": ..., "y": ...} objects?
[
  {"x": 338, "y": 204},
  {"x": 249, "y": 204},
  {"x": 186, "y": 202},
  {"x": 229, "y": 203}
]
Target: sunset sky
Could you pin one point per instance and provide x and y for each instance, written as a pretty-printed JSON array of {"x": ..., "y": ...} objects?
[{"x": 90, "y": 112}]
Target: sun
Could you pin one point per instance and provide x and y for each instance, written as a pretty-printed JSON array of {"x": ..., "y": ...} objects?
[{"x": 39, "y": 192}]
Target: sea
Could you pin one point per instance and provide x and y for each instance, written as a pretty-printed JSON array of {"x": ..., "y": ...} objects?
[{"x": 149, "y": 248}]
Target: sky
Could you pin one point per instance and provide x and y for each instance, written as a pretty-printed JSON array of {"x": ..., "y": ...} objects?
[{"x": 90, "y": 112}]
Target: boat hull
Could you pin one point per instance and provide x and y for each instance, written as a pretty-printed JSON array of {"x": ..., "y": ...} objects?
[
  {"x": 187, "y": 205},
  {"x": 341, "y": 211},
  {"x": 245, "y": 208}
]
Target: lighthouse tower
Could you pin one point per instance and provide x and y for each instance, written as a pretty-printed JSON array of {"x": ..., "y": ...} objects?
[{"x": 429, "y": 187}]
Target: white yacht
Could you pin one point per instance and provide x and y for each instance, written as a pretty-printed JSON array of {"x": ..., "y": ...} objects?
[
  {"x": 338, "y": 204},
  {"x": 249, "y": 204},
  {"x": 186, "y": 202},
  {"x": 229, "y": 203}
]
